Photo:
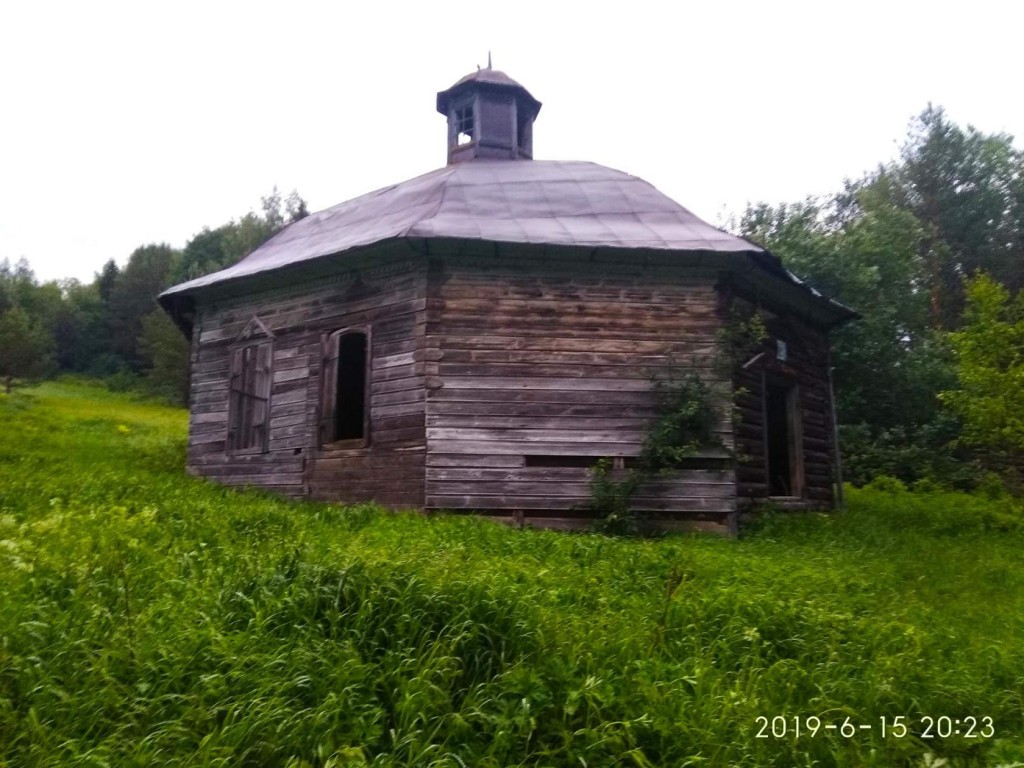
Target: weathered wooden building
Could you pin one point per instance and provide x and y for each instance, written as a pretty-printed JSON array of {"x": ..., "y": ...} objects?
[{"x": 477, "y": 337}]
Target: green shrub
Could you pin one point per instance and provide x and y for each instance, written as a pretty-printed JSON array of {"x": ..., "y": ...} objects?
[{"x": 686, "y": 422}]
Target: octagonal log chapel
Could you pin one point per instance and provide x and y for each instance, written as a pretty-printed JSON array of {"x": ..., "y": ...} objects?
[{"x": 476, "y": 338}]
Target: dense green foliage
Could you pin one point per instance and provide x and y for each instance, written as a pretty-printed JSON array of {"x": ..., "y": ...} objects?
[
  {"x": 133, "y": 297},
  {"x": 686, "y": 421},
  {"x": 24, "y": 349},
  {"x": 154, "y": 619},
  {"x": 990, "y": 368},
  {"x": 214, "y": 249},
  {"x": 966, "y": 188},
  {"x": 897, "y": 245}
]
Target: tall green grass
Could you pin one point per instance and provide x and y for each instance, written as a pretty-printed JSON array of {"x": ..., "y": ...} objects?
[{"x": 147, "y": 618}]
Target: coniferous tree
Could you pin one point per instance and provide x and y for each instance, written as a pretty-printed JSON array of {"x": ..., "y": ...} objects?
[
  {"x": 133, "y": 296},
  {"x": 25, "y": 349}
]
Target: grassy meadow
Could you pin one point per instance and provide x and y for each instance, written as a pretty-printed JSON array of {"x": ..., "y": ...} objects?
[{"x": 151, "y": 619}]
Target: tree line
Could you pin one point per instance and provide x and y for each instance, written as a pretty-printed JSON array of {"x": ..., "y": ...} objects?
[
  {"x": 928, "y": 247},
  {"x": 112, "y": 328}
]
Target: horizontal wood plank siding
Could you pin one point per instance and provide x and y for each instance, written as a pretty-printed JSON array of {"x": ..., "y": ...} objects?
[
  {"x": 806, "y": 366},
  {"x": 480, "y": 357},
  {"x": 537, "y": 358},
  {"x": 389, "y": 298}
]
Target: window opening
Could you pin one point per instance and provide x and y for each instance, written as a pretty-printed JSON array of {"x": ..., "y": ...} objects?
[
  {"x": 781, "y": 440},
  {"x": 345, "y": 387},
  {"x": 249, "y": 400},
  {"x": 584, "y": 462},
  {"x": 523, "y": 131},
  {"x": 350, "y": 410},
  {"x": 464, "y": 124}
]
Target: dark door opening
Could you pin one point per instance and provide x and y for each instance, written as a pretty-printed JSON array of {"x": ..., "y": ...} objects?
[
  {"x": 350, "y": 403},
  {"x": 781, "y": 440}
]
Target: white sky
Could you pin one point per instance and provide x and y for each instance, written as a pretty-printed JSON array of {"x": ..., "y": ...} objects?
[{"x": 123, "y": 124}]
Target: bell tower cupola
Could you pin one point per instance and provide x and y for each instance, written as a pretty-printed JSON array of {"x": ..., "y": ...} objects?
[{"x": 490, "y": 116}]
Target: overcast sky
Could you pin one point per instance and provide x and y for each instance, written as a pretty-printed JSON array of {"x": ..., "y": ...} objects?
[{"x": 126, "y": 124}]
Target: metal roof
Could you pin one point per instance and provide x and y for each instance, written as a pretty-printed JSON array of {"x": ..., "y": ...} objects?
[
  {"x": 488, "y": 75},
  {"x": 487, "y": 78},
  {"x": 537, "y": 202}
]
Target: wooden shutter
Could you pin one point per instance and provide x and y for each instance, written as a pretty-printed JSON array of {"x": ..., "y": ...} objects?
[
  {"x": 329, "y": 345},
  {"x": 234, "y": 399},
  {"x": 249, "y": 398},
  {"x": 368, "y": 387},
  {"x": 261, "y": 396}
]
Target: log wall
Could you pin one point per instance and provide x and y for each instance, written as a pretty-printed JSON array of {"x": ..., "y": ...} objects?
[
  {"x": 388, "y": 298},
  {"x": 541, "y": 368},
  {"x": 806, "y": 367},
  {"x": 495, "y": 384}
]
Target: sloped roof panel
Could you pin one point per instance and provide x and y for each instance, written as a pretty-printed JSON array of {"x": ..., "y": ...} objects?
[{"x": 536, "y": 202}]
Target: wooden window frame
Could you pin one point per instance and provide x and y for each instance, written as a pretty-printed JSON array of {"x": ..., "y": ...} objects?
[
  {"x": 329, "y": 358},
  {"x": 464, "y": 114},
  {"x": 794, "y": 418},
  {"x": 247, "y": 392},
  {"x": 524, "y": 131}
]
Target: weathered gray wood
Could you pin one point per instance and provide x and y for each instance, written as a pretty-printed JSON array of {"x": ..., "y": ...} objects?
[
  {"x": 703, "y": 333},
  {"x": 511, "y": 409},
  {"x": 590, "y": 448},
  {"x": 517, "y": 472},
  {"x": 477, "y": 363},
  {"x": 437, "y": 459},
  {"x": 484, "y": 502},
  {"x": 396, "y": 360},
  {"x": 560, "y": 489},
  {"x": 597, "y": 397},
  {"x": 542, "y": 422},
  {"x": 556, "y": 363},
  {"x": 589, "y": 384},
  {"x": 805, "y": 367},
  {"x": 298, "y": 318},
  {"x": 290, "y": 374},
  {"x": 682, "y": 344}
]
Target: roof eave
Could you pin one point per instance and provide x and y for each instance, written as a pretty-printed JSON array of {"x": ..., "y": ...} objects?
[
  {"x": 822, "y": 311},
  {"x": 180, "y": 301}
]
